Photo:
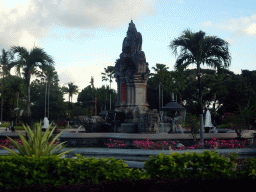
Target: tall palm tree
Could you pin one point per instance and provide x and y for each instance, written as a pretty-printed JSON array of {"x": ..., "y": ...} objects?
[
  {"x": 161, "y": 76},
  {"x": 17, "y": 86},
  {"x": 29, "y": 61},
  {"x": 6, "y": 64},
  {"x": 92, "y": 83},
  {"x": 49, "y": 73},
  {"x": 197, "y": 48},
  {"x": 108, "y": 75},
  {"x": 71, "y": 90}
]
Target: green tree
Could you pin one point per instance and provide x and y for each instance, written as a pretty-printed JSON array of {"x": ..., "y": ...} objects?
[
  {"x": 6, "y": 65},
  {"x": 197, "y": 48},
  {"x": 49, "y": 74},
  {"x": 86, "y": 96},
  {"x": 72, "y": 89},
  {"x": 176, "y": 83},
  {"x": 108, "y": 75},
  {"x": 29, "y": 61},
  {"x": 15, "y": 93},
  {"x": 92, "y": 82},
  {"x": 57, "y": 106},
  {"x": 161, "y": 75}
]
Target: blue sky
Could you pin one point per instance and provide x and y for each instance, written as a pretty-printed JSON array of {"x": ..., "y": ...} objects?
[{"x": 85, "y": 36}]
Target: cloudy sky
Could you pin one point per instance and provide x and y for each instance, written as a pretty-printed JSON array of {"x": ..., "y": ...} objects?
[{"x": 84, "y": 36}]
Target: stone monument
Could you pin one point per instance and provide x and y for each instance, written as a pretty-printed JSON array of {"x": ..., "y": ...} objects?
[{"x": 131, "y": 73}]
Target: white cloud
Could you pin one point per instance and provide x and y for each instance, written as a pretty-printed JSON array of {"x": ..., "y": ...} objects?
[
  {"x": 180, "y": 1},
  {"x": 240, "y": 27},
  {"x": 81, "y": 76},
  {"x": 251, "y": 29},
  {"x": 29, "y": 21},
  {"x": 230, "y": 41},
  {"x": 207, "y": 23}
]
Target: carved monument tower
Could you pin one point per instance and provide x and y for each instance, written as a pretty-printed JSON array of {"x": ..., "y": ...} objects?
[{"x": 131, "y": 73}]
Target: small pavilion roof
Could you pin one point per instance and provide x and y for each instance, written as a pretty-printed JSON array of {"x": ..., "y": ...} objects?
[{"x": 172, "y": 106}]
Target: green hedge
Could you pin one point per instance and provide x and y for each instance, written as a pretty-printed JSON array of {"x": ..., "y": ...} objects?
[
  {"x": 24, "y": 171},
  {"x": 223, "y": 126}
]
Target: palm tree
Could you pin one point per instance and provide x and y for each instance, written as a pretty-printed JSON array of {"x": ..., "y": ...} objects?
[
  {"x": 92, "y": 83},
  {"x": 197, "y": 48},
  {"x": 6, "y": 67},
  {"x": 17, "y": 86},
  {"x": 49, "y": 73},
  {"x": 108, "y": 75},
  {"x": 71, "y": 90},
  {"x": 29, "y": 61},
  {"x": 161, "y": 76}
]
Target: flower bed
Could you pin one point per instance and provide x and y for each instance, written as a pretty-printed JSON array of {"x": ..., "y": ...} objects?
[
  {"x": 6, "y": 143},
  {"x": 213, "y": 143}
]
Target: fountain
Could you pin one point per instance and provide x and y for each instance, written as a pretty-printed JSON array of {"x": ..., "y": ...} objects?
[
  {"x": 208, "y": 124},
  {"x": 46, "y": 124},
  {"x": 171, "y": 107},
  {"x": 164, "y": 126},
  {"x": 138, "y": 122}
]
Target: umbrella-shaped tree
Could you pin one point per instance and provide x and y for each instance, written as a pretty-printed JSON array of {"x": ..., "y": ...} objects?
[
  {"x": 72, "y": 89},
  {"x": 29, "y": 61},
  {"x": 199, "y": 49},
  {"x": 108, "y": 76}
]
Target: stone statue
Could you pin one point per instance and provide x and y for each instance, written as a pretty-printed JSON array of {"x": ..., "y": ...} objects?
[
  {"x": 132, "y": 72},
  {"x": 132, "y": 50}
]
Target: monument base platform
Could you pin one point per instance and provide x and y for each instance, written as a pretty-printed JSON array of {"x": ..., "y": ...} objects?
[{"x": 127, "y": 128}]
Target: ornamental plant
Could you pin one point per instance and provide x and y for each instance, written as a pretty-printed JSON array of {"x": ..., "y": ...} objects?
[
  {"x": 213, "y": 143},
  {"x": 175, "y": 165},
  {"x": 115, "y": 144},
  {"x": 237, "y": 122},
  {"x": 193, "y": 124},
  {"x": 63, "y": 123},
  {"x": 150, "y": 145},
  {"x": 6, "y": 124},
  {"x": 6, "y": 143},
  {"x": 37, "y": 144}
]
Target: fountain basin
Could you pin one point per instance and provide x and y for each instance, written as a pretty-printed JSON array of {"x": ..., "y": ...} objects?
[
  {"x": 207, "y": 129},
  {"x": 164, "y": 127},
  {"x": 98, "y": 139},
  {"x": 77, "y": 132}
]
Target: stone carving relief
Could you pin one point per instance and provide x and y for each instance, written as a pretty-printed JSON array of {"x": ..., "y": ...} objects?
[{"x": 132, "y": 59}]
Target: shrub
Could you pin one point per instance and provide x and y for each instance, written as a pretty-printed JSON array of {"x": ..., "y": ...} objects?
[
  {"x": 5, "y": 124},
  {"x": 175, "y": 165},
  {"x": 224, "y": 126}
]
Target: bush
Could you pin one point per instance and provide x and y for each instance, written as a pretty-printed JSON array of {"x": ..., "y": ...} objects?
[
  {"x": 5, "y": 124},
  {"x": 223, "y": 126},
  {"x": 152, "y": 184},
  {"x": 177, "y": 165},
  {"x": 19, "y": 128}
]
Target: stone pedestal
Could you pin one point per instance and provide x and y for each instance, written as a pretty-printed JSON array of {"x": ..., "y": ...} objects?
[
  {"x": 164, "y": 127},
  {"x": 127, "y": 128}
]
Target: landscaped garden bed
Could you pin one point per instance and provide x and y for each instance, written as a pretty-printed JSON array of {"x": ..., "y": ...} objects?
[
  {"x": 155, "y": 183},
  {"x": 160, "y": 166}
]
